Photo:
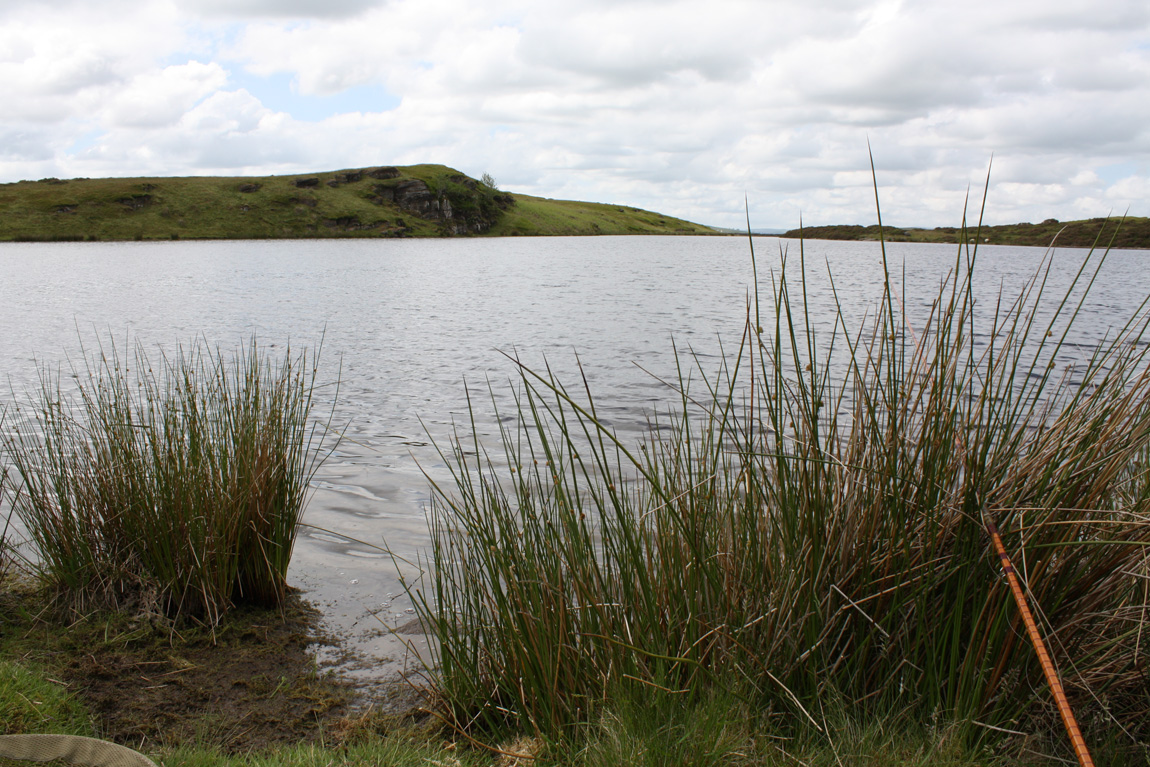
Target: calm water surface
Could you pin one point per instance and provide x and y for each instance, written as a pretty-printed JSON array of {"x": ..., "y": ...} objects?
[{"x": 411, "y": 325}]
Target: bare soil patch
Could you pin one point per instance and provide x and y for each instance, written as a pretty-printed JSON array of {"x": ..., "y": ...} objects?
[{"x": 251, "y": 684}]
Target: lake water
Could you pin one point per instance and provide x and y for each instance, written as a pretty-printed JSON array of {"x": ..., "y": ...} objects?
[{"x": 406, "y": 323}]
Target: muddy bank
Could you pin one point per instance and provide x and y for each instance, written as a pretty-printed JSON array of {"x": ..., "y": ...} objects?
[{"x": 253, "y": 683}]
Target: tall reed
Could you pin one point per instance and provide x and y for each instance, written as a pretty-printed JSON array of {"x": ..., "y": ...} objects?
[
  {"x": 180, "y": 483},
  {"x": 6, "y": 556},
  {"x": 807, "y": 523}
]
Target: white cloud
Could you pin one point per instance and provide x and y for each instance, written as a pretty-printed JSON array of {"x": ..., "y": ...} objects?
[
  {"x": 25, "y": 145},
  {"x": 58, "y": 63},
  {"x": 1131, "y": 192},
  {"x": 293, "y": 9},
  {"x": 647, "y": 103},
  {"x": 158, "y": 98}
]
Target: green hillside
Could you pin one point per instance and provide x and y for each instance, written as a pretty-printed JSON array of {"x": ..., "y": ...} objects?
[
  {"x": 411, "y": 201},
  {"x": 1127, "y": 233}
]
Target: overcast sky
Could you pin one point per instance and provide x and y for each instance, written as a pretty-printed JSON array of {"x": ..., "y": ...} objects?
[{"x": 673, "y": 106}]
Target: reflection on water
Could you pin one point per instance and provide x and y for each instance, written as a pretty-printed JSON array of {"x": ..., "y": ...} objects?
[{"x": 412, "y": 328}]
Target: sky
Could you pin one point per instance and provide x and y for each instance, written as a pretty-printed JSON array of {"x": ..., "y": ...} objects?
[{"x": 692, "y": 109}]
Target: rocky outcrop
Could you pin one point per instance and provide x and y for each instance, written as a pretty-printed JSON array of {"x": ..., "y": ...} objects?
[
  {"x": 249, "y": 188},
  {"x": 384, "y": 173},
  {"x": 462, "y": 206},
  {"x": 306, "y": 183},
  {"x": 347, "y": 177},
  {"x": 416, "y": 197},
  {"x": 353, "y": 223},
  {"x": 475, "y": 207}
]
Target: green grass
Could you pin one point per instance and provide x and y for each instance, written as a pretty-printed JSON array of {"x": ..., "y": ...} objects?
[
  {"x": 346, "y": 203},
  {"x": 652, "y": 728},
  {"x": 807, "y": 526},
  {"x": 656, "y": 728},
  {"x": 539, "y": 216},
  {"x": 30, "y": 702},
  {"x": 383, "y": 752},
  {"x": 173, "y": 482}
]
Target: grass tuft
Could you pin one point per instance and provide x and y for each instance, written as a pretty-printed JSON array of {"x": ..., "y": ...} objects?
[
  {"x": 32, "y": 703},
  {"x": 808, "y": 525},
  {"x": 176, "y": 484}
]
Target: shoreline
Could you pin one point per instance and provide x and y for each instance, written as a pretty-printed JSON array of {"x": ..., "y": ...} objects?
[{"x": 260, "y": 678}]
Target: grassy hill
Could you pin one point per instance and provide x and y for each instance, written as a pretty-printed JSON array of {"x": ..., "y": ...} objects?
[
  {"x": 1127, "y": 233},
  {"x": 411, "y": 201}
]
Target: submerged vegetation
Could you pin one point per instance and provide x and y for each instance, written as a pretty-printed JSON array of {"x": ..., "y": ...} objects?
[
  {"x": 805, "y": 533},
  {"x": 408, "y": 201},
  {"x": 174, "y": 484}
]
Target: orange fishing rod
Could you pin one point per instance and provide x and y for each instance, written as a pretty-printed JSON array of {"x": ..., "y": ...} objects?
[{"x": 1043, "y": 657}]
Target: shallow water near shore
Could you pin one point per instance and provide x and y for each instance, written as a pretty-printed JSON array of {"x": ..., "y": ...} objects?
[{"x": 411, "y": 327}]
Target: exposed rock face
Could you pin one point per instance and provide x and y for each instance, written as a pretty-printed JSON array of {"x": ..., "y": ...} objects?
[
  {"x": 461, "y": 208},
  {"x": 306, "y": 183},
  {"x": 476, "y": 206},
  {"x": 415, "y": 196},
  {"x": 352, "y": 223},
  {"x": 383, "y": 193},
  {"x": 410, "y": 194},
  {"x": 382, "y": 174},
  {"x": 348, "y": 177},
  {"x": 249, "y": 188}
]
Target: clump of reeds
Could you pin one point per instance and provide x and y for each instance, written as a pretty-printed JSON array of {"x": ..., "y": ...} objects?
[
  {"x": 808, "y": 523},
  {"x": 177, "y": 480}
]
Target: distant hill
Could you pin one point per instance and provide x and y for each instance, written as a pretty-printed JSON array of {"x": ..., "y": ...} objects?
[
  {"x": 1127, "y": 233},
  {"x": 411, "y": 201}
]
